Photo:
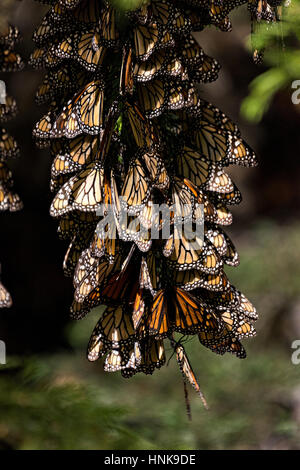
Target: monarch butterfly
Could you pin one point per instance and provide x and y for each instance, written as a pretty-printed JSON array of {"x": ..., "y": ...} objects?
[
  {"x": 242, "y": 154},
  {"x": 148, "y": 39},
  {"x": 81, "y": 192},
  {"x": 157, "y": 96},
  {"x": 43, "y": 127},
  {"x": 223, "y": 215},
  {"x": 138, "y": 309},
  {"x": 186, "y": 369},
  {"x": 234, "y": 197},
  {"x": 121, "y": 286},
  {"x": 220, "y": 144},
  {"x": 191, "y": 52},
  {"x": 176, "y": 310},
  {"x": 156, "y": 169},
  {"x": 220, "y": 182},
  {"x": 52, "y": 86},
  {"x": 119, "y": 359},
  {"x": 246, "y": 307},
  {"x": 73, "y": 253},
  {"x": 9, "y": 35},
  {"x": 192, "y": 165},
  {"x": 81, "y": 150},
  {"x": 10, "y": 61},
  {"x": 149, "y": 354},
  {"x": 144, "y": 133},
  {"x": 223, "y": 245},
  {"x": 134, "y": 360},
  {"x": 84, "y": 47},
  {"x": 62, "y": 164},
  {"x": 5, "y": 297},
  {"x": 92, "y": 272},
  {"x": 261, "y": 10},
  {"x": 238, "y": 324},
  {"x": 9, "y": 109},
  {"x": 231, "y": 256},
  {"x": 97, "y": 347},
  {"x": 145, "y": 40},
  {"x": 211, "y": 142},
  {"x": 72, "y": 224},
  {"x": 85, "y": 265},
  {"x": 61, "y": 204},
  {"x": 66, "y": 156},
  {"x": 87, "y": 12},
  {"x": 225, "y": 24},
  {"x": 53, "y": 23},
  {"x": 169, "y": 16},
  {"x": 114, "y": 329},
  {"x": 128, "y": 226},
  {"x": 126, "y": 76},
  {"x": 151, "y": 272},
  {"x": 161, "y": 64},
  {"x": 5, "y": 175},
  {"x": 9, "y": 200},
  {"x": 217, "y": 118},
  {"x": 57, "y": 13},
  {"x": 104, "y": 241},
  {"x": 56, "y": 182},
  {"x": 192, "y": 279},
  {"x": 128, "y": 359},
  {"x": 136, "y": 188},
  {"x": 89, "y": 188},
  {"x": 107, "y": 26},
  {"x": 228, "y": 299},
  {"x": 184, "y": 196},
  {"x": 88, "y": 52},
  {"x": 217, "y": 238},
  {"x": 207, "y": 72},
  {"x": 44, "y": 57},
  {"x": 79, "y": 310},
  {"x": 63, "y": 49},
  {"x": 161, "y": 11},
  {"x": 209, "y": 210},
  {"x": 152, "y": 355},
  {"x": 83, "y": 113},
  {"x": 149, "y": 69},
  {"x": 116, "y": 283},
  {"x": 44, "y": 92},
  {"x": 152, "y": 97},
  {"x": 200, "y": 66},
  {"x": 218, "y": 10},
  {"x": 70, "y": 4},
  {"x": 8, "y": 146},
  {"x": 218, "y": 138},
  {"x": 187, "y": 250},
  {"x": 222, "y": 342}
]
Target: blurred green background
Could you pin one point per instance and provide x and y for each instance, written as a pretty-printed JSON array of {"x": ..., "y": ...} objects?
[{"x": 52, "y": 398}]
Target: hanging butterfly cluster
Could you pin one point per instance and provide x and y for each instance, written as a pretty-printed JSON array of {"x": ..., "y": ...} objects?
[
  {"x": 262, "y": 11},
  {"x": 128, "y": 131},
  {"x": 9, "y": 200}
]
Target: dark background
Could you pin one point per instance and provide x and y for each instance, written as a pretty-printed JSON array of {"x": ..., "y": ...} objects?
[{"x": 255, "y": 403}]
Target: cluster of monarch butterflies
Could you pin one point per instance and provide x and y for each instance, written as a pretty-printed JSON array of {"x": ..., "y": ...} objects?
[
  {"x": 263, "y": 11},
  {"x": 128, "y": 130},
  {"x": 10, "y": 61}
]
